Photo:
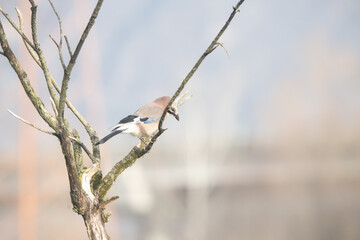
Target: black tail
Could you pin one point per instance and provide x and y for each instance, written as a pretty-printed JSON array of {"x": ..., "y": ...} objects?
[{"x": 107, "y": 137}]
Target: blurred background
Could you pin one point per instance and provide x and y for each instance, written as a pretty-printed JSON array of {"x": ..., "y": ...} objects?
[{"x": 267, "y": 149}]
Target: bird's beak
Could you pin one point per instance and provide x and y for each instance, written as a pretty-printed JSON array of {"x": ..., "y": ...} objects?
[{"x": 174, "y": 114}]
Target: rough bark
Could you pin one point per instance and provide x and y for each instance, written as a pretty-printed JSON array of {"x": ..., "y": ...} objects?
[{"x": 95, "y": 224}]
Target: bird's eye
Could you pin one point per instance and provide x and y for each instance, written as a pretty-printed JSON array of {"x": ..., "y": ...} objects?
[{"x": 171, "y": 111}]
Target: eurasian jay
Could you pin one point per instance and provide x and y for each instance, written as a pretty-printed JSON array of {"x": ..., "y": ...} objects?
[{"x": 145, "y": 121}]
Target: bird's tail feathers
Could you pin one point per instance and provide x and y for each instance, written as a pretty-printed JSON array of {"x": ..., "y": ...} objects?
[{"x": 110, "y": 135}]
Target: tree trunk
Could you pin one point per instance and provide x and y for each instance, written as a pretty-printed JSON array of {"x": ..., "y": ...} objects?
[{"x": 95, "y": 225}]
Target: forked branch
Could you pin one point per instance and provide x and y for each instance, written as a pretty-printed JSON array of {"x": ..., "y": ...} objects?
[
  {"x": 58, "y": 45},
  {"x": 36, "y": 101},
  {"x": 18, "y": 29},
  {"x": 28, "y": 47},
  {"x": 67, "y": 72},
  {"x": 33, "y": 54}
]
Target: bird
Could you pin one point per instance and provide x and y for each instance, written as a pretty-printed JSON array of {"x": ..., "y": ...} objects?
[{"x": 145, "y": 121}]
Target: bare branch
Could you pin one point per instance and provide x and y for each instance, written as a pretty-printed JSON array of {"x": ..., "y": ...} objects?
[
  {"x": 54, "y": 41},
  {"x": 30, "y": 124},
  {"x": 136, "y": 153},
  {"x": 61, "y": 127},
  {"x": 85, "y": 33},
  {"x": 107, "y": 201},
  {"x": 117, "y": 169},
  {"x": 211, "y": 48},
  {"x": 223, "y": 46},
  {"x": 21, "y": 20},
  {"x": 28, "y": 47},
  {"x": 73, "y": 58},
  {"x": 59, "y": 46},
  {"x": 21, "y": 33},
  {"x": 87, "y": 126},
  {"x": 53, "y": 107},
  {"x": 68, "y": 46},
  {"x": 40, "y": 53},
  {"x": 58, "y": 18},
  {"x": 36, "y": 101},
  {"x": 87, "y": 151},
  {"x": 182, "y": 99}
]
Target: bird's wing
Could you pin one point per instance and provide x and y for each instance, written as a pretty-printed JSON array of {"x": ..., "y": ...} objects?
[
  {"x": 148, "y": 113},
  {"x": 128, "y": 119},
  {"x": 123, "y": 123},
  {"x": 150, "y": 110}
]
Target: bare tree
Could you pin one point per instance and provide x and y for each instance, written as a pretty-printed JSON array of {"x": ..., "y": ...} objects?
[{"x": 88, "y": 187}]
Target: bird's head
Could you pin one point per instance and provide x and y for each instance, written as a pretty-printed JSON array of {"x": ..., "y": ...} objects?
[{"x": 174, "y": 111}]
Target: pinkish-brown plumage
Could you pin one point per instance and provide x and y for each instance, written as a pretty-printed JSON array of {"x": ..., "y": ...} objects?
[{"x": 144, "y": 122}]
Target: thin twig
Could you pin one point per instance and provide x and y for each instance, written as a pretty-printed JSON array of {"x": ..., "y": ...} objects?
[
  {"x": 86, "y": 125},
  {"x": 107, "y": 201},
  {"x": 223, "y": 46},
  {"x": 30, "y": 124},
  {"x": 21, "y": 33},
  {"x": 58, "y": 45},
  {"x": 34, "y": 98},
  {"x": 212, "y": 49},
  {"x": 21, "y": 20},
  {"x": 182, "y": 99},
  {"x": 53, "y": 107},
  {"x": 136, "y": 153},
  {"x": 87, "y": 151},
  {"x": 54, "y": 41},
  {"x": 214, "y": 44},
  {"x": 40, "y": 54},
  {"x": 59, "y": 19},
  {"x": 36, "y": 59},
  {"x": 89, "y": 130},
  {"x": 201, "y": 59},
  {"x": 68, "y": 46},
  {"x": 66, "y": 78},
  {"x": 28, "y": 47},
  {"x": 77, "y": 114}
]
